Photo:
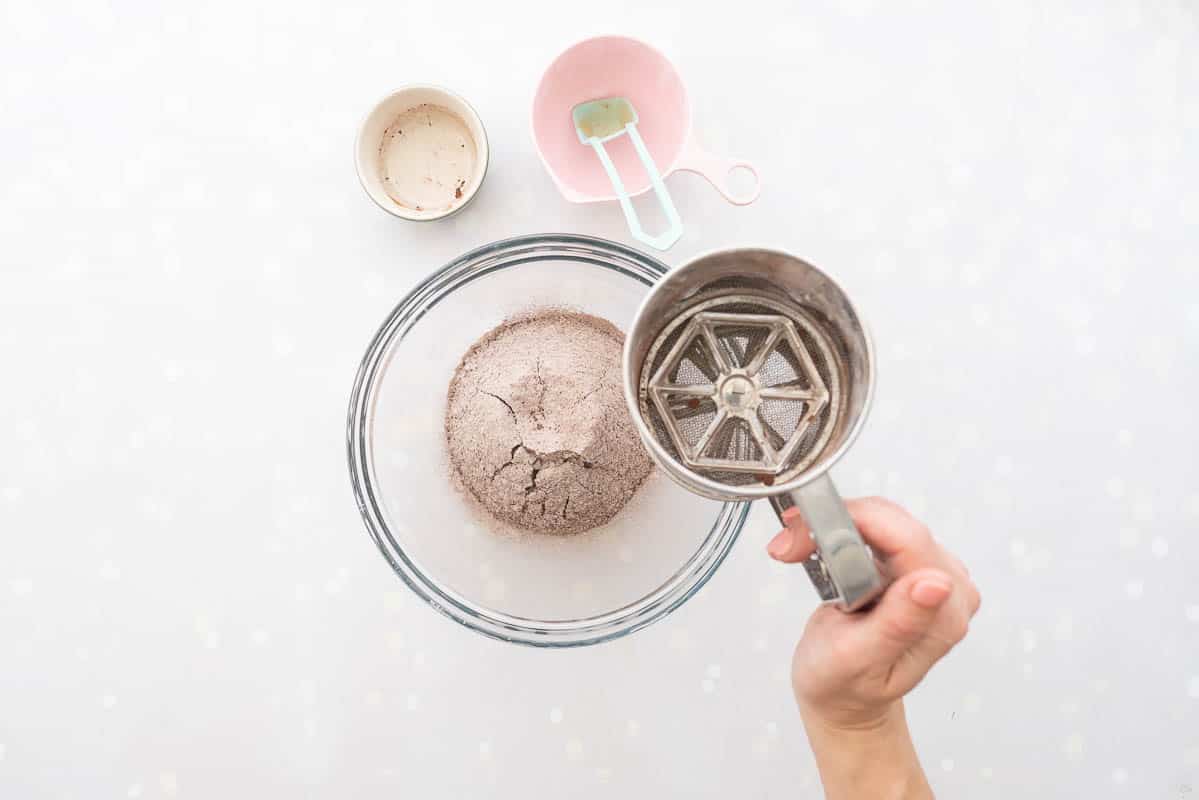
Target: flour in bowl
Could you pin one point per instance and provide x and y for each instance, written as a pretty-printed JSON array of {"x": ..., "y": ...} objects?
[{"x": 536, "y": 424}]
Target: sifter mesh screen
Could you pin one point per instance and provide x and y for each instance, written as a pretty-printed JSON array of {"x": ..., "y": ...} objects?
[{"x": 742, "y": 389}]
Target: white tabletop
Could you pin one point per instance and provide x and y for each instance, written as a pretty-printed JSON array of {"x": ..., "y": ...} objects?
[{"x": 189, "y": 273}]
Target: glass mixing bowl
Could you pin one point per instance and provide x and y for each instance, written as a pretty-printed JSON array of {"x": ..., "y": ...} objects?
[{"x": 537, "y": 589}]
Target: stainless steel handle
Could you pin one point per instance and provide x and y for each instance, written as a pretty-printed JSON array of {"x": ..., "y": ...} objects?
[{"x": 843, "y": 569}]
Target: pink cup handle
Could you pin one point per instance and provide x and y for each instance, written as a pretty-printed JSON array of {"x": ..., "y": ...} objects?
[{"x": 716, "y": 169}]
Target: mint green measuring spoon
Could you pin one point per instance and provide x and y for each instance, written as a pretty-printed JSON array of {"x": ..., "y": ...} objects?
[{"x": 599, "y": 121}]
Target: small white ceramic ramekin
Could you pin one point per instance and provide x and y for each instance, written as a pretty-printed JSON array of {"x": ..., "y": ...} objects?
[{"x": 370, "y": 137}]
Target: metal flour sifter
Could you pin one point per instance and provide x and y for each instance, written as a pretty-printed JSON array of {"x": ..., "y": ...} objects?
[{"x": 748, "y": 374}]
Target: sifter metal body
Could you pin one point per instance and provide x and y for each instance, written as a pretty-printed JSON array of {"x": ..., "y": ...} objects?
[{"x": 748, "y": 373}]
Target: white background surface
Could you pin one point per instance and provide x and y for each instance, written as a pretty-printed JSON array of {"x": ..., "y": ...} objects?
[{"x": 189, "y": 273}]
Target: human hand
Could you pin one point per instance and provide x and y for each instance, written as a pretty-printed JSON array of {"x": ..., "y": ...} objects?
[
  {"x": 850, "y": 668},
  {"x": 851, "y": 671}
]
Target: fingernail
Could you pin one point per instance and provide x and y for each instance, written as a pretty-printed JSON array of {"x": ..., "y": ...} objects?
[
  {"x": 790, "y": 514},
  {"x": 779, "y": 544},
  {"x": 930, "y": 592}
]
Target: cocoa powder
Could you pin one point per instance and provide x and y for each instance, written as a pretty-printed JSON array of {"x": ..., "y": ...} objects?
[{"x": 536, "y": 424}]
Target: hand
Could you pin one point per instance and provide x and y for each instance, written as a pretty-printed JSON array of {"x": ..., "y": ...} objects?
[{"x": 851, "y": 671}]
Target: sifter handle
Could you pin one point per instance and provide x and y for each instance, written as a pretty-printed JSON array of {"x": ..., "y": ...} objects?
[{"x": 843, "y": 569}]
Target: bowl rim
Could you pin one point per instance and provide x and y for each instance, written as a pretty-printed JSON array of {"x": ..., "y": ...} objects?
[{"x": 479, "y": 262}]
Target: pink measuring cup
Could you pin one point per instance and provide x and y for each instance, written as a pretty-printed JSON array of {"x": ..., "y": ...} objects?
[{"x": 617, "y": 66}]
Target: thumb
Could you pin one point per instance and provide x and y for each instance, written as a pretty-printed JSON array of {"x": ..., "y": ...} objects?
[{"x": 907, "y": 611}]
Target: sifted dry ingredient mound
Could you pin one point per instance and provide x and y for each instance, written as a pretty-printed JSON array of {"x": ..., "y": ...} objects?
[{"x": 537, "y": 427}]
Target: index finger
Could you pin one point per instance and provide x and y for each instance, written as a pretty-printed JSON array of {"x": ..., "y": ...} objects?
[
  {"x": 890, "y": 531},
  {"x": 894, "y": 534}
]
